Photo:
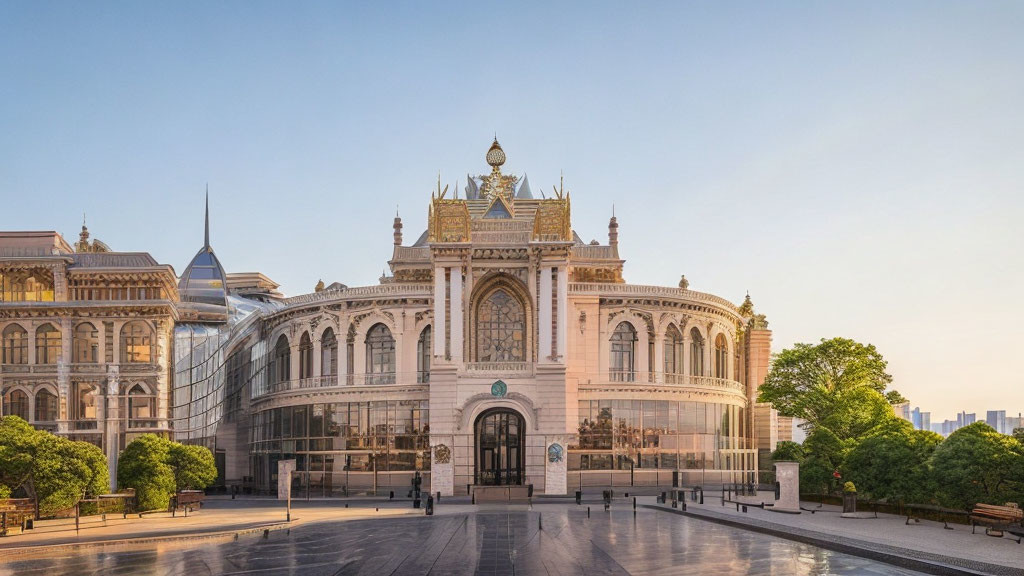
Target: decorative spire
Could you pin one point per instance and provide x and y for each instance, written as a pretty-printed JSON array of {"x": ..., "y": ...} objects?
[
  {"x": 206, "y": 237},
  {"x": 495, "y": 155},
  {"x": 746, "y": 309},
  {"x": 613, "y": 229},
  {"x": 398, "y": 228}
]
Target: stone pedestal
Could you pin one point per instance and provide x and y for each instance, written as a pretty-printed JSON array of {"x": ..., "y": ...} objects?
[
  {"x": 555, "y": 469},
  {"x": 787, "y": 474},
  {"x": 442, "y": 470}
]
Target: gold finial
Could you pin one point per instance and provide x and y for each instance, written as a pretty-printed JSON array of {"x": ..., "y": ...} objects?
[
  {"x": 319, "y": 286},
  {"x": 495, "y": 155},
  {"x": 746, "y": 309}
]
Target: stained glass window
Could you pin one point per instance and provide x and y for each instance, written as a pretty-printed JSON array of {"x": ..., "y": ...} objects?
[{"x": 501, "y": 329}]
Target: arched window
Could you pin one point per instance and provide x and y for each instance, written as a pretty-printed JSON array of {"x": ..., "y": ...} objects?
[
  {"x": 281, "y": 361},
  {"x": 141, "y": 408},
  {"x": 500, "y": 328},
  {"x": 86, "y": 340},
  {"x": 136, "y": 343},
  {"x": 380, "y": 355},
  {"x": 721, "y": 357},
  {"x": 84, "y": 402},
  {"x": 46, "y": 406},
  {"x": 423, "y": 353},
  {"x": 674, "y": 369},
  {"x": 26, "y": 286},
  {"x": 47, "y": 344},
  {"x": 696, "y": 353},
  {"x": 15, "y": 345},
  {"x": 16, "y": 404},
  {"x": 329, "y": 353},
  {"x": 623, "y": 353},
  {"x": 305, "y": 356}
]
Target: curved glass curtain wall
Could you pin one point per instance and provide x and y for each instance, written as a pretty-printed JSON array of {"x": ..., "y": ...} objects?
[
  {"x": 342, "y": 447},
  {"x": 707, "y": 441}
]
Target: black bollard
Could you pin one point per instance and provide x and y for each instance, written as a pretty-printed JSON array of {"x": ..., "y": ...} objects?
[
  {"x": 416, "y": 502},
  {"x": 540, "y": 522},
  {"x": 701, "y": 495},
  {"x": 579, "y": 497},
  {"x": 588, "y": 511},
  {"x": 391, "y": 496},
  {"x": 744, "y": 509},
  {"x": 430, "y": 505},
  {"x": 439, "y": 496}
]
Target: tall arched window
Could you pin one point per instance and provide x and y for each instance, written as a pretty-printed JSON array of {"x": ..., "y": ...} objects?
[
  {"x": 83, "y": 404},
  {"x": 696, "y": 353},
  {"x": 329, "y": 353},
  {"x": 136, "y": 343},
  {"x": 141, "y": 407},
  {"x": 86, "y": 341},
  {"x": 47, "y": 344},
  {"x": 380, "y": 355},
  {"x": 674, "y": 369},
  {"x": 721, "y": 357},
  {"x": 500, "y": 328},
  {"x": 46, "y": 406},
  {"x": 623, "y": 353},
  {"x": 305, "y": 356},
  {"x": 281, "y": 361},
  {"x": 423, "y": 353},
  {"x": 15, "y": 345},
  {"x": 16, "y": 404}
]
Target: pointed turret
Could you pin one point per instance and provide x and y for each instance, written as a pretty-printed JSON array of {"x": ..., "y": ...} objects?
[
  {"x": 613, "y": 230},
  {"x": 398, "y": 228},
  {"x": 204, "y": 281},
  {"x": 524, "y": 189}
]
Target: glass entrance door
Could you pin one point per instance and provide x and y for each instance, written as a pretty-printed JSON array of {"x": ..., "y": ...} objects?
[{"x": 500, "y": 441}]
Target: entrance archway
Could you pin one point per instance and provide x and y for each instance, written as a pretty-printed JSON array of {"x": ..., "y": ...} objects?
[{"x": 500, "y": 438}]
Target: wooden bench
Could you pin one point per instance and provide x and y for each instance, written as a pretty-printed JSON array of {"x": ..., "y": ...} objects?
[
  {"x": 14, "y": 513},
  {"x": 187, "y": 500},
  {"x": 997, "y": 519}
]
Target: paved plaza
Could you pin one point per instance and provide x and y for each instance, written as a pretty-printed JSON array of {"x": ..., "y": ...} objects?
[{"x": 551, "y": 537}]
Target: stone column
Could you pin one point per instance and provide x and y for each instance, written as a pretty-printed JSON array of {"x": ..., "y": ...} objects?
[
  {"x": 563, "y": 311},
  {"x": 111, "y": 428},
  {"x": 439, "y": 324},
  {"x": 456, "y": 308},
  {"x": 544, "y": 314},
  {"x": 31, "y": 334},
  {"x": 343, "y": 351},
  {"x": 687, "y": 353}
]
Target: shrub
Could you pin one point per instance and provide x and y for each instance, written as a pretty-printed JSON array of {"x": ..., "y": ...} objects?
[{"x": 156, "y": 467}]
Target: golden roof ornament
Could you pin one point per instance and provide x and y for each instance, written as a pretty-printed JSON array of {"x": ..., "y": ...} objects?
[
  {"x": 495, "y": 155},
  {"x": 747, "y": 308},
  {"x": 319, "y": 286}
]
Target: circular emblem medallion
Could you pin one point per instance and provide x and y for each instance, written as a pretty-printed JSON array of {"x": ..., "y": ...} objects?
[
  {"x": 499, "y": 389},
  {"x": 442, "y": 454},
  {"x": 555, "y": 452}
]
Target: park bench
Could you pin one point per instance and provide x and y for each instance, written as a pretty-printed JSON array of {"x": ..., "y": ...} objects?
[
  {"x": 14, "y": 514},
  {"x": 187, "y": 500},
  {"x": 998, "y": 519}
]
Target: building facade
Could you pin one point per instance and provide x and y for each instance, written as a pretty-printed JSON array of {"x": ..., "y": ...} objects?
[{"x": 86, "y": 339}]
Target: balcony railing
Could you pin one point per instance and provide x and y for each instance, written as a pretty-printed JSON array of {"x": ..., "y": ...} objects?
[
  {"x": 345, "y": 380},
  {"x": 498, "y": 369},
  {"x": 661, "y": 378}
]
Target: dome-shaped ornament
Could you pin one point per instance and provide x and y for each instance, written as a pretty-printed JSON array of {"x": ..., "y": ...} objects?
[{"x": 495, "y": 155}]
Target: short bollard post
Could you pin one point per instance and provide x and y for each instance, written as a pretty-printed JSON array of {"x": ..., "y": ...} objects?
[
  {"x": 416, "y": 502},
  {"x": 744, "y": 509},
  {"x": 579, "y": 497},
  {"x": 438, "y": 496},
  {"x": 701, "y": 495},
  {"x": 391, "y": 496},
  {"x": 540, "y": 522},
  {"x": 430, "y": 505},
  {"x": 588, "y": 511},
  {"x": 634, "y": 502}
]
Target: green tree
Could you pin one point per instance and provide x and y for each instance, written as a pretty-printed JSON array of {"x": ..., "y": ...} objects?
[
  {"x": 1018, "y": 433},
  {"x": 977, "y": 464},
  {"x": 155, "y": 468},
  {"x": 194, "y": 467},
  {"x": 786, "y": 451},
  {"x": 143, "y": 466},
  {"x": 892, "y": 462},
  {"x": 825, "y": 453},
  {"x": 822, "y": 383},
  {"x": 57, "y": 471}
]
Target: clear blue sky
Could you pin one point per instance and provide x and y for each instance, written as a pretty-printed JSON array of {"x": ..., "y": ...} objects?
[{"x": 858, "y": 167}]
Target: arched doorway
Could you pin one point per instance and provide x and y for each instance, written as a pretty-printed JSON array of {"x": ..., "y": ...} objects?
[{"x": 500, "y": 447}]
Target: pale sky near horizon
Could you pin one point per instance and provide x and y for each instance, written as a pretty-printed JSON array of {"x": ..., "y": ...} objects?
[{"x": 856, "y": 166}]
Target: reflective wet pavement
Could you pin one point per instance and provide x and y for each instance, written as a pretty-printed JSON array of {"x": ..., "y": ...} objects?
[{"x": 488, "y": 542}]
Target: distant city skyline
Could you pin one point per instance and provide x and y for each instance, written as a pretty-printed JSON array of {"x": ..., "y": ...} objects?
[{"x": 862, "y": 162}]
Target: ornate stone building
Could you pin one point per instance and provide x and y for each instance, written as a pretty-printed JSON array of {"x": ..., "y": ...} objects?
[
  {"x": 86, "y": 338},
  {"x": 502, "y": 349}
]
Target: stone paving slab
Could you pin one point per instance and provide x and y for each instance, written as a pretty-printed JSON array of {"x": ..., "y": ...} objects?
[{"x": 926, "y": 541}]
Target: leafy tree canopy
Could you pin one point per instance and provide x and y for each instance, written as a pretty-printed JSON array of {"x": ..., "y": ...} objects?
[
  {"x": 892, "y": 462},
  {"x": 54, "y": 469},
  {"x": 977, "y": 464},
  {"x": 830, "y": 384}
]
